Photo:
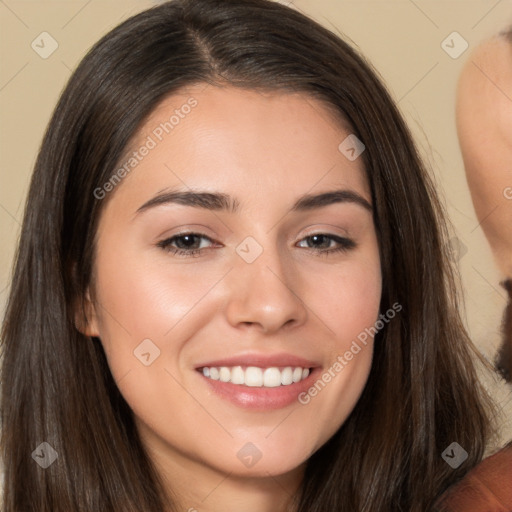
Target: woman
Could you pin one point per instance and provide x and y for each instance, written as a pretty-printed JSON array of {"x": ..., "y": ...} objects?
[{"x": 232, "y": 288}]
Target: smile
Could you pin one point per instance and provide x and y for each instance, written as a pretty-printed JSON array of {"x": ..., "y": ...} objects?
[{"x": 253, "y": 376}]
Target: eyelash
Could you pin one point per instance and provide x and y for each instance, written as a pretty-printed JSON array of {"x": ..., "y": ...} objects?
[{"x": 345, "y": 244}]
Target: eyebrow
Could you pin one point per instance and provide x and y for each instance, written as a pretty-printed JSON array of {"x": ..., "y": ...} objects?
[{"x": 218, "y": 201}]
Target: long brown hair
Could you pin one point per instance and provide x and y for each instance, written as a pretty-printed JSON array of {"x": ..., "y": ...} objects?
[{"x": 422, "y": 393}]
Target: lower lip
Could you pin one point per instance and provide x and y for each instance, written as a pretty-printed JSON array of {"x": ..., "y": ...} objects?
[{"x": 260, "y": 398}]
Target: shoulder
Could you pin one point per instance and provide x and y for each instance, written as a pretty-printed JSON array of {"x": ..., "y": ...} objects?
[
  {"x": 484, "y": 126},
  {"x": 484, "y": 96},
  {"x": 488, "y": 487},
  {"x": 487, "y": 74}
]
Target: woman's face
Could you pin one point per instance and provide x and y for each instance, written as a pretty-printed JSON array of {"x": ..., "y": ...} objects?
[{"x": 238, "y": 246}]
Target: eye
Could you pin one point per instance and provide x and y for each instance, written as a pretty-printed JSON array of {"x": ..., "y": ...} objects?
[
  {"x": 185, "y": 244},
  {"x": 325, "y": 244},
  {"x": 193, "y": 244}
]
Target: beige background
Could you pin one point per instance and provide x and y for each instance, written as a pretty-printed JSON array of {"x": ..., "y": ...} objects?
[{"x": 402, "y": 38}]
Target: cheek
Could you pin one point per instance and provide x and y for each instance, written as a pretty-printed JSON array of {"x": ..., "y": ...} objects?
[
  {"x": 139, "y": 299},
  {"x": 348, "y": 300},
  {"x": 147, "y": 314},
  {"x": 353, "y": 301},
  {"x": 346, "y": 297}
]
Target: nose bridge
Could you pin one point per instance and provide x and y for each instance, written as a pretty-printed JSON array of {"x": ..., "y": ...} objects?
[{"x": 261, "y": 287}]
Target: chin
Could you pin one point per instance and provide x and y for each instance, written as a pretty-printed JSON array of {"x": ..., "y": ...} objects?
[{"x": 250, "y": 461}]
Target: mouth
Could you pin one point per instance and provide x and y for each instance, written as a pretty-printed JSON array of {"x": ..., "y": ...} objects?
[{"x": 259, "y": 382}]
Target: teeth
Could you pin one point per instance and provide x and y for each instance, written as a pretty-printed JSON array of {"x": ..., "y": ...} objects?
[
  {"x": 287, "y": 376},
  {"x": 271, "y": 378},
  {"x": 225, "y": 374},
  {"x": 256, "y": 377},
  {"x": 253, "y": 377},
  {"x": 237, "y": 375}
]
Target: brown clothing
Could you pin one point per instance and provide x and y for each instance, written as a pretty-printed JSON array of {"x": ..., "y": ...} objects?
[{"x": 486, "y": 488}]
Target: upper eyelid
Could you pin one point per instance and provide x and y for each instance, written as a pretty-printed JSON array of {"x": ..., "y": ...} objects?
[{"x": 309, "y": 231}]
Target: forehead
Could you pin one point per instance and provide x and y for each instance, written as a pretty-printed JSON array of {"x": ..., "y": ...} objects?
[{"x": 242, "y": 141}]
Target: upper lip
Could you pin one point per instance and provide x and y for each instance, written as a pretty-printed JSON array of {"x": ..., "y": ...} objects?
[{"x": 261, "y": 360}]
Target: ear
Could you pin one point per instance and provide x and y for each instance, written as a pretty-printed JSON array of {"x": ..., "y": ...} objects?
[{"x": 86, "y": 318}]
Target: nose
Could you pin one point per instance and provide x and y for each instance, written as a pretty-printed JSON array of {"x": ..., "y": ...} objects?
[{"x": 264, "y": 294}]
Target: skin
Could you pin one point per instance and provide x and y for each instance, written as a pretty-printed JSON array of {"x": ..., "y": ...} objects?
[
  {"x": 266, "y": 150},
  {"x": 484, "y": 124}
]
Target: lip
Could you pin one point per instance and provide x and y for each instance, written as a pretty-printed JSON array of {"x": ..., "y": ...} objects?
[
  {"x": 262, "y": 361},
  {"x": 260, "y": 398}
]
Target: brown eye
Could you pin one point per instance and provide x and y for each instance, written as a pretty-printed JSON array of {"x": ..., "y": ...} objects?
[
  {"x": 324, "y": 243},
  {"x": 185, "y": 244}
]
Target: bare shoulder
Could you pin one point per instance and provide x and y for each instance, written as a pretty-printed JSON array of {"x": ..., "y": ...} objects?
[{"x": 484, "y": 126}]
